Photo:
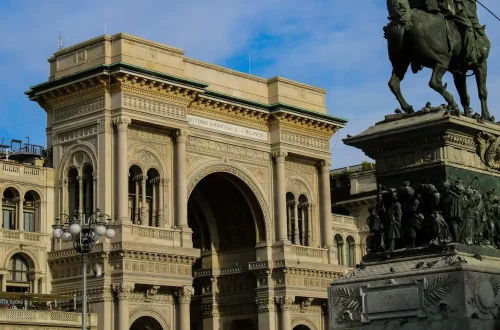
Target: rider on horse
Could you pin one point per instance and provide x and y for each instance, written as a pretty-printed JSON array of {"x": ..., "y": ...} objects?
[{"x": 464, "y": 14}]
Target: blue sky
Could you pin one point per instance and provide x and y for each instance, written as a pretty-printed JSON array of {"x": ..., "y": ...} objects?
[{"x": 337, "y": 45}]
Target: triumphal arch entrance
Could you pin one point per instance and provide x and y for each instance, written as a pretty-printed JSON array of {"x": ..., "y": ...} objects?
[{"x": 218, "y": 181}]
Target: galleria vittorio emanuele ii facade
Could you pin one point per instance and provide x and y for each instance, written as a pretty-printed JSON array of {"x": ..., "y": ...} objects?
[{"x": 218, "y": 183}]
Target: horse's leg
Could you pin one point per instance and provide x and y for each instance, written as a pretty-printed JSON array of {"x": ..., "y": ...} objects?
[
  {"x": 436, "y": 83},
  {"x": 481, "y": 72},
  {"x": 461, "y": 85},
  {"x": 398, "y": 74}
]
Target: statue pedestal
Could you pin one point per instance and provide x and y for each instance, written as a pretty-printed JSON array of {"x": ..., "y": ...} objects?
[
  {"x": 423, "y": 288},
  {"x": 431, "y": 147}
]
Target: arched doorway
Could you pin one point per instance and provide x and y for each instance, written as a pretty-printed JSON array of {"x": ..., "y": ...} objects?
[
  {"x": 146, "y": 323},
  {"x": 302, "y": 327},
  {"x": 227, "y": 223}
]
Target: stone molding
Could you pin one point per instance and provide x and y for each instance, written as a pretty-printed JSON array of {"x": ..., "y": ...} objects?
[
  {"x": 150, "y": 311},
  {"x": 181, "y": 135},
  {"x": 79, "y": 109},
  {"x": 265, "y": 305},
  {"x": 122, "y": 123},
  {"x": 280, "y": 156},
  {"x": 65, "y": 95},
  {"x": 305, "y": 140},
  {"x": 218, "y": 148},
  {"x": 152, "y": 106},
  {"x": 304, "y": 125}
]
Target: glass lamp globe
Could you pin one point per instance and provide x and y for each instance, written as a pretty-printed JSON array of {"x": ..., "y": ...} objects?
[
  {"x": 100, "y": 230},
  {"x": 75, "y": 229},
  {"x": 57, "y": 233},
  {"x": 110, "y": 233},
  {"x": 66, "y": 236}
]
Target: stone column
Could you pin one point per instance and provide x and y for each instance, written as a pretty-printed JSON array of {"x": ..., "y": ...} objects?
[
  {"x": 280, "y": 198},
  {"x": 137, "y": 220},
  {"x": 296, "y": 236},
  {"x": 123, "y": 292},
  {"x": 309, "y": 224},
  {"x": 20, "y": 215},
  {"x": 122, "y": 124},
  {"x": 266, "y": 310},
  {"x": 286, "y": 304},
  {"x": 181, "y": 180},
  {"x": 64, "y": 198},
  {"x": 80, "y": 196},
  {"x": 4, "y": 282},
  {"x": 185, "y": 294},
  {"x": 325, "y": 203},
  {"x": 144, "y": 220},
  {"x": 161, "y": 203}
]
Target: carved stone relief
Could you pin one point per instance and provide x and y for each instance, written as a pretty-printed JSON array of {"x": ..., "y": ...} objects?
[
  {"x": 304, "y": 140},
  {"x": 154, "y": 107},
  {"x": 79, "y": 109}
]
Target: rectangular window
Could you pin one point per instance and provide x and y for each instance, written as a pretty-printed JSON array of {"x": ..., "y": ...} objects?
[
  {"x": 9, "y": 220},
  {"x": 29, "y": 222}
]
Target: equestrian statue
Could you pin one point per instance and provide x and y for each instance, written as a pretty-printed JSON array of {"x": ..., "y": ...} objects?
[{"x": 443, "y": 35}]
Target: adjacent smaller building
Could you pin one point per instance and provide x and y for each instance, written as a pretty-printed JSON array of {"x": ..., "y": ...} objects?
[{"x": 353, "y": 192}]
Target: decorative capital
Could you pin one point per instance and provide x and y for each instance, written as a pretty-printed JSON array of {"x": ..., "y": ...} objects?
[
  {"x": 285, "y": 302},
  {"x": 325, "y": 164},
  {"x": 181, "y": 135},
  {"x": 122, "y": 123},
  {"x": 280, "y": 155},
  {"x": 265, "y": 305},
  {"x": 185, "y": 294},
  {"x": 123, "y": 290}
]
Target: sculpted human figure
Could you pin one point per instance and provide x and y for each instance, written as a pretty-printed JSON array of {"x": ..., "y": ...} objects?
[
  {"x": 452, "y": 204},
  {"x": 376, "y": 229},
  {"x": 393, "y": 227}
]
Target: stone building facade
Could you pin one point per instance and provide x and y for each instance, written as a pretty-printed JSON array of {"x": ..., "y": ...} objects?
[{"x": 218, "y": 182}]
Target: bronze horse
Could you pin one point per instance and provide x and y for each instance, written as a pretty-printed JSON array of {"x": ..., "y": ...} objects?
[{"x": 421, "y": 39}]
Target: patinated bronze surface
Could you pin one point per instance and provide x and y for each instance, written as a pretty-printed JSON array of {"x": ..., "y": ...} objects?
[{"x": 443, "y": 35}]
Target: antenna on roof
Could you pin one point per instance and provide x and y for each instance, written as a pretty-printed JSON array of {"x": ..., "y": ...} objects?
[{"x": 60, "y": 41}]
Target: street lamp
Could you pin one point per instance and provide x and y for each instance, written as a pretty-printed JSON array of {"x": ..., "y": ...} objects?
[{"x": 84, "y": 233}]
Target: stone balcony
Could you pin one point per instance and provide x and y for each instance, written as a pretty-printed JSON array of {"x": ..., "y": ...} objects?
[
  {"x": 33, "y": 320},
  {"x": 26, "y": 173},
  {"x": 20, "y": 236}
]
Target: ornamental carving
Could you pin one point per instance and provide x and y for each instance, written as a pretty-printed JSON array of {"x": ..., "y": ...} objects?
[
  {"x": 304, "y": 140},
  {"x": 153, "y": 107},
  {"x": 286, "y": 303},
  {"x": 265, "y": 305},
  {"x": 185, "y": 294},
  {"x": 303, "y": 125},
  {"x": 151, "y": 88},
  {"x": 123, "y": 290},
  {"x": 80, "y": 108},
  {"x": 122, "y": 123},
  {"x": 214, "y": 168},
  {"x": 64, "y": 137},
  {"x": 488, "y": 149},
  {"x": 212, "y": 147}
]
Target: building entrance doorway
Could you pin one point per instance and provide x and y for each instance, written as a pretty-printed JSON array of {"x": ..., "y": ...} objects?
[
  {"x": 146, "y": 323},
  {"x": 227, "y": 223}
]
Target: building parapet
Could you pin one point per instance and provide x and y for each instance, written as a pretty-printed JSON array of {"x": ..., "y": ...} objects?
[{"x": 34, "y": 319}]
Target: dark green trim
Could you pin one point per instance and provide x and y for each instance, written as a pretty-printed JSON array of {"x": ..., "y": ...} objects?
[
  {"x": 109, "y": 69},
  {"x": 106, "y": 68},
  {"x": 276, "y": 107}
]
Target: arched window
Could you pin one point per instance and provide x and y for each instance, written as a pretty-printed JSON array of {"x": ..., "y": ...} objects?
[
  {"x": 18, "y": 280},
  {"x": 10, "y": 207},
  {"x": 304, "y": 226},
  {"x": 88, "y": 191},
  {"x": 152, "y": 196},
  {"x": 73, "y": 190},
  {"x": 350, "y": 252},
  {"x": 31, "y": 212},
  {"x": 339, "y": 244},
  {"x": 290, "y": 207},
  {"x": 137, "y": 212}
]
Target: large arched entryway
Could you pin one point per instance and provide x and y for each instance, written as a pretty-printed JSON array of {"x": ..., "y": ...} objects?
[
  {"x": 146, "y": 323},
  {"x": 227, "y": 224},
  {"x": 301, "y": 327}
]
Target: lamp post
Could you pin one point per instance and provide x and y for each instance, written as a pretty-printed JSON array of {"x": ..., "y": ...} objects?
[{"x": 84, "y": 233}]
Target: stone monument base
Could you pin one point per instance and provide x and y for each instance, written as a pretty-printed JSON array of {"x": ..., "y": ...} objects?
[{"x": 448, "y": 287}]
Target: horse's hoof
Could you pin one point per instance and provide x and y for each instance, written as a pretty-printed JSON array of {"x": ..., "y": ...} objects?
[
  {"x": 397, "y": 111},
  {"x": 409, "y": 109}
]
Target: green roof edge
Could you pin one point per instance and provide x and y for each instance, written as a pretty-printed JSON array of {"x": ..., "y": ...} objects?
[{"x": 110, "y": 67}]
